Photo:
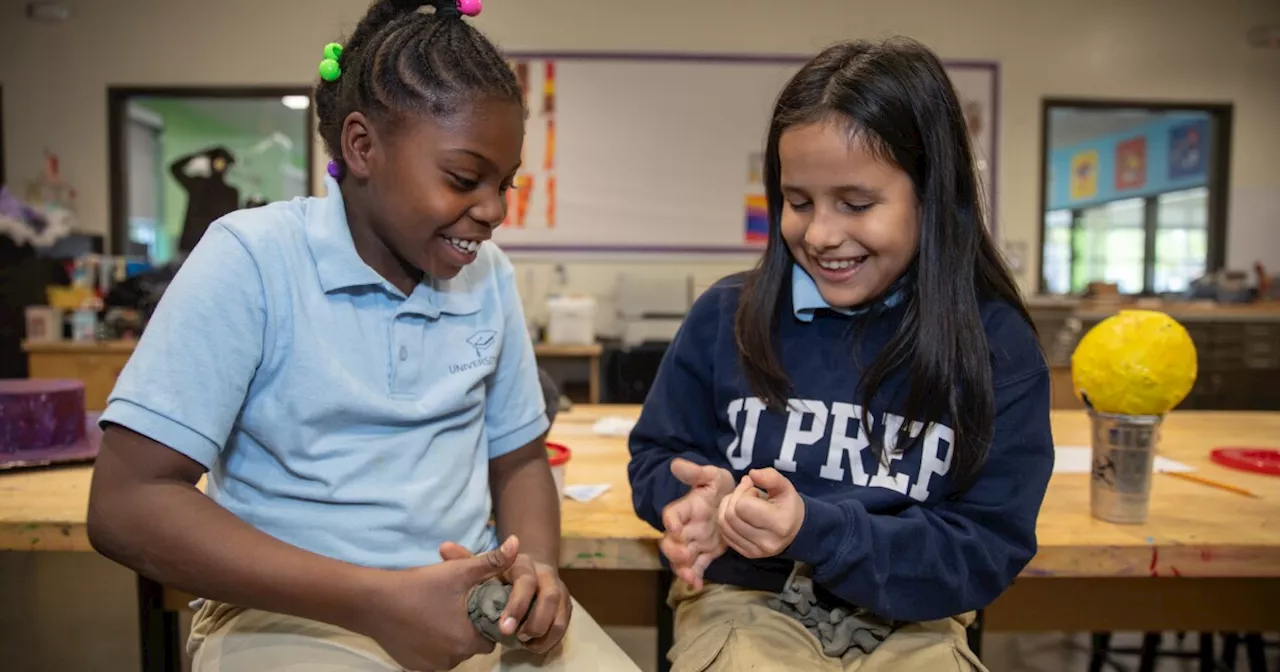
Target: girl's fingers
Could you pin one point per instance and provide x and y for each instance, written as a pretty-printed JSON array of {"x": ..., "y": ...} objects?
[
  {"x": 722, "y": 512},
  {"x": 772, "y": 481},
  {"x": 700, "y": 565},
  {"x": 675, "y": 516},
  {"x": 735, "y": 532},
  {"x": 694, "y": 579},
  {"x": 677, "y": 552},
  {"x": 741, "y": 544},
  {"x": 700, "y": 529},
  {"x": 699, "y": 546},
  {"x": 760, "y": 514},
  {"x": 733, "y": 513}
]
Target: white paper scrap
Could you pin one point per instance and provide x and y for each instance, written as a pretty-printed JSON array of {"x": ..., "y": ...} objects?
[
  {"x": 613, "y": 426},
  {"x": 585, "y": 493},
  {"x": 1079, "y": 460}
]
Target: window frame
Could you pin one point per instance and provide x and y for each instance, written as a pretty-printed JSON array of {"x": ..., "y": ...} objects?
[{"x": 1221, "y": 120}]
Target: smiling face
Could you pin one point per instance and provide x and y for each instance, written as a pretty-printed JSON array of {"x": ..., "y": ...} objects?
[
  {"x": 438, "y": 186},
  {"x": 850, "y": 217}
]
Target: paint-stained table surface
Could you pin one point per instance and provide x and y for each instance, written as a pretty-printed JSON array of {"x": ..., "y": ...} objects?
[{"x": 1194, "y": 530}]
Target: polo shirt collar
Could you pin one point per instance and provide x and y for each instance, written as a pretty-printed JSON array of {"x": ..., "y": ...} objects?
[
  {"x": 806, "y": 299},
  {"x": 337, "y": 263},
  {"x": 340, "y": 267}
]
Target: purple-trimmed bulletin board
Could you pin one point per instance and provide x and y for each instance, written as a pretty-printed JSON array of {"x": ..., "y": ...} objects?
[{"x": 640, "y": 153}]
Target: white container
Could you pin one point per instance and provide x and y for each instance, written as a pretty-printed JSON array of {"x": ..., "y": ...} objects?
[
  {"x": 44, "y": 324},
  {"x": 558, "y": 457},
  {"x": 557, "y": 473},
  {"x": 571, "y": 320},
  {"x": 84, "y": 326}
]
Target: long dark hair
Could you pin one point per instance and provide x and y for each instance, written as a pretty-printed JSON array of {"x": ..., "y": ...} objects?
[
  {"x": 897, "y": 97},
  {"x": 401, "y": 61}
]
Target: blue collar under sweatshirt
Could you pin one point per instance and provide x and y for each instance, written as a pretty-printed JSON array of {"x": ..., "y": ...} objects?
[{"x": 893, "y": 536}]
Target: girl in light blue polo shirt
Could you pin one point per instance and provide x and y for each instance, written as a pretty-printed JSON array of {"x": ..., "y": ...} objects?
[{"x": 354, "y": 375}]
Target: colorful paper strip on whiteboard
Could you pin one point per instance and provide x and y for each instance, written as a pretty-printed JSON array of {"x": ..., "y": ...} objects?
[{"x": 757, "y": 219}]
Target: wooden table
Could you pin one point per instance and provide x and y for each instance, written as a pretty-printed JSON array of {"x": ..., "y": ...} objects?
[
  {"x": 44, "y": 510},
  {"x": 1207, "y": 559},
  {"x": 1215, "y": 555},
  {"x": 98, "y": 364}
]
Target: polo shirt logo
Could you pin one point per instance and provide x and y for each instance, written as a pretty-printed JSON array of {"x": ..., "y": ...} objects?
[{"x": 482, "y": 340}]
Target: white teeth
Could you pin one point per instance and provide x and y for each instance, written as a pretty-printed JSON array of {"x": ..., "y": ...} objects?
[
  {"x": 839, "y": 265},
  {"x": 467, "y": 246}
]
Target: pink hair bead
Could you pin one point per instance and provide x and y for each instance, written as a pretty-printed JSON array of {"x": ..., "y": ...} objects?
[{"x": 470, "y": 7}]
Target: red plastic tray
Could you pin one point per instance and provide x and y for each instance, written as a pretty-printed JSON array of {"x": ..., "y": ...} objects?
[{"x": 1256, "y": 460}]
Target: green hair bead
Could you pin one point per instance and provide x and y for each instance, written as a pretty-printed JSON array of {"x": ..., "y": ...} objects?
[
  {"x": 332, "y": 51},
  {"x": 330, "y": 70}
]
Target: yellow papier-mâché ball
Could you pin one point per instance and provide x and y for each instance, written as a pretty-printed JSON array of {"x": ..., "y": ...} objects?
[{"x": 1137, "y": 362}]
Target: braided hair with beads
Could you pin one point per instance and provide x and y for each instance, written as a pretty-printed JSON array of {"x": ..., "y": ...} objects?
[{"x": 402, "y": 61}]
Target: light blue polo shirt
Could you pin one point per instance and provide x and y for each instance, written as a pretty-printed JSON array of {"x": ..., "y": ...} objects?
[
  {"x": 332, "y": 411},
  {"x": 806, "y": 298}
]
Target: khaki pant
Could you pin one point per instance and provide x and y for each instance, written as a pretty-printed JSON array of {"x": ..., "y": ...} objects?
[
  {"x": 231, "y": 639},
  {"x": 723, "y": 628}
]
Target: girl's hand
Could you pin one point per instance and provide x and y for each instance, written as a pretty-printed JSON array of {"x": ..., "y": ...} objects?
[
  {"x": 761, "y": 525},
  {"x": 419, "y": 616},
  {"x": 692, "y": 538},
  {"x": 546, "y": 624}
]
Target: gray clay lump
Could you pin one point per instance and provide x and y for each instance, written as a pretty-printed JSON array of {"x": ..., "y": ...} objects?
[
  {"x": 484, "y": 608},
  {"x": 838, "y": 629}
]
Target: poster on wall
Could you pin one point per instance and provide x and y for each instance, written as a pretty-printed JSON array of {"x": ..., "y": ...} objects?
[
  {"x": 1188, "y": 150},
  {"x": 977, "y": 87},
  {"x": 1131, "y": 164},
  {"x": 757, "y": 232},
  {"x": 534, "y": 187},
  {"x": 1084, "y": 175},
  {"x": 549, "y": 144},
  {"x": 757, "y": 206},
  {"x": 522, "y": 186}
]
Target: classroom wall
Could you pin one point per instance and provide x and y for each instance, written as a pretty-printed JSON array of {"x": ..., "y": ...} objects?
[{"x": 55, "y": 78}]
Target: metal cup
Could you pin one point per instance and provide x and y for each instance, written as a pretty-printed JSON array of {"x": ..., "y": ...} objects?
[{"x": 1124, "y": 452}]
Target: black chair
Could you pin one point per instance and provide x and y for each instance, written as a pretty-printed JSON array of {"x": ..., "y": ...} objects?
[
  {"x": 550, "y": 394},
  {"x": 1101, "y": 652},
  {"x": 974, "y": 635},
  {"x": 1255, "y": 648},
  {"x": 629, "y": 372}
]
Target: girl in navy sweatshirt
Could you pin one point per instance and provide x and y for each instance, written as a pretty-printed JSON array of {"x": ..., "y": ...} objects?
[{"x": 846, "y": 448}]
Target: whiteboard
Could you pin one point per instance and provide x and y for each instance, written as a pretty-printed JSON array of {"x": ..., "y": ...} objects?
[{"x": 661, "y": 153}]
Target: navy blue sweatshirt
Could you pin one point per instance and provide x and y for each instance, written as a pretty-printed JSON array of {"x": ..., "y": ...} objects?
[{"x": 896, "y": 538}]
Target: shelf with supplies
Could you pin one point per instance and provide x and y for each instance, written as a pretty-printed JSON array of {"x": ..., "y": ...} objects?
[{"x": 98, "y": 363}]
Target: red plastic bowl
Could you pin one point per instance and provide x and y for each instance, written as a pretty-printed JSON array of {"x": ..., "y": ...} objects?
[{"x": 557, "y": 454}]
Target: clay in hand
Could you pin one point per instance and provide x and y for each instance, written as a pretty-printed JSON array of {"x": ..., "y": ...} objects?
[{"x": 484, "y": 608}]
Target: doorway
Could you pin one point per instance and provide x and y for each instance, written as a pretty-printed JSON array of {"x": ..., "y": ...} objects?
[{"x": 183, "y": 157}]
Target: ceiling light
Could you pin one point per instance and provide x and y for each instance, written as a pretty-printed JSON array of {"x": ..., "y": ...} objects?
[{"x": 296, "y": 102}]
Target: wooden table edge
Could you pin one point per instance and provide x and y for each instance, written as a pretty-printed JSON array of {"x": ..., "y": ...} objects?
[
  {"x": 641, "y": 554},
  {"x": 79, "y": 347}
]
